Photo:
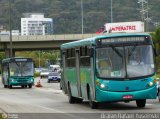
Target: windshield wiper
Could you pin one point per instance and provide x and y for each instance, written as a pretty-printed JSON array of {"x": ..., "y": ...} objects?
[
  {"x": 132, "y": 50},
  {"x": 117, "y": 52},
  {"x": 17, "y": 65}
]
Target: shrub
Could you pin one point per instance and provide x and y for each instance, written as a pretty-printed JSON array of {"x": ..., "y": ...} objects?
[{"x": 36, "y": 74}]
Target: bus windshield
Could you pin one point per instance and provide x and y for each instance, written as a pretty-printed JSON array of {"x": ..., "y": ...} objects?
[
  {"x": 21, "y": 69},
  {"x": 125, "y": 61}
]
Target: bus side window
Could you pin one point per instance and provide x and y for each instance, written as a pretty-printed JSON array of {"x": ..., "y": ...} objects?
[
  {"x": 11, "y": 72},
  {"x": 5, "y": 72}
]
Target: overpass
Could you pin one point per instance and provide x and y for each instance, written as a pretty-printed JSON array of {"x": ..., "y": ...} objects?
[{"x": 38, "y": 42}]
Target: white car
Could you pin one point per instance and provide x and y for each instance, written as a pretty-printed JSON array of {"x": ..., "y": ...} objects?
[
  {"x": 55, "y": 68},
  {"x": 38, "y": 70},
  {"x": 44, "y": 73},
  {"x": 54, "y": 76}
]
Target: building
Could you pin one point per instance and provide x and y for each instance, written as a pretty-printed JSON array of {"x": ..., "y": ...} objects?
[
  {"x": 4, "y": 33},
  {"x": 7, "y": 33},
  {"x": 15, "y": 32},
  {"x": 36, "y": 24},
  {"x": 2, "y": 28}
]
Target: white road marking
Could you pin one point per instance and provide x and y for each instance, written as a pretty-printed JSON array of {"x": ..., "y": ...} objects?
[
  {"x": 50, "y": 90},
  {"x": 147, "y": 104}
]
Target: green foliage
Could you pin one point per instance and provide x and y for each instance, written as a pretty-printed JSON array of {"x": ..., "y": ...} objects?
[
  {"x": 156, "y": 39},
  {"x": 36, "y": 74},
  {"x": 41, "y": 58},
  {"x": 2, "y": 56}
]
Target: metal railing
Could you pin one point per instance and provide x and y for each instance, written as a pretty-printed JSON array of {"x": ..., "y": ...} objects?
[{"x": 5, "y": 38}]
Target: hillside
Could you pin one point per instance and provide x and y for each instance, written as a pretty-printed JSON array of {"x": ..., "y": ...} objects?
[{"x": 67, "y": 13}]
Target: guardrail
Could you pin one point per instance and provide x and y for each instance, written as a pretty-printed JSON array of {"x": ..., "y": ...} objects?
[{"x": 6, "y": 38}]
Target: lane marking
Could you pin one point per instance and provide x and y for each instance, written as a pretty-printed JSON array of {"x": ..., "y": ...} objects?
[
  {"x": 58, "y": 111},
  {"x": 50, "y": 90},
  {"x": 148, "y": 104}
]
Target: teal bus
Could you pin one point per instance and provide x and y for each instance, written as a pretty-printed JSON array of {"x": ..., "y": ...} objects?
[
  {"x": 109, "y": 68},
  {"x": 17, "y": 71}
]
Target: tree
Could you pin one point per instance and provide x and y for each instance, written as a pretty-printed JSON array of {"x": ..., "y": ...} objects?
[
  {"x": 156, "y": 40},
  {"x": 41, "y": 57}
]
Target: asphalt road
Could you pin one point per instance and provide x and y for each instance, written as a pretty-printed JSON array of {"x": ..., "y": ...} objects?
[{"x": 49, "y": 102}]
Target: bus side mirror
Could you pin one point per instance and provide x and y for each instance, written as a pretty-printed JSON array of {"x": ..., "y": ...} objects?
[
  {"x": 91, "y": 52},
  {"x": 34, "y": 64},
  {"x": 155, "y": 52}
]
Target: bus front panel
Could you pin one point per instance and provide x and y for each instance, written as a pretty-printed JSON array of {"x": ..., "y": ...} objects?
[{"x": 112, "y": 90}]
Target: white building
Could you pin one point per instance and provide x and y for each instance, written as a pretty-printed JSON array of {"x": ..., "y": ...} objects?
[
  {"x": 36, "y": 24},
  {"x": 14, "y": 33}
]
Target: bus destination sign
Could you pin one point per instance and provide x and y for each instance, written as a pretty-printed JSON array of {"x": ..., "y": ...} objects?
[
  {"x": 115, "y": 40},
  {"x": 20, "y": 60}
]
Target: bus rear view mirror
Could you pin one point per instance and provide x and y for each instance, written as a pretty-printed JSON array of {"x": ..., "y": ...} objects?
[{"x": 155, "y": 52}]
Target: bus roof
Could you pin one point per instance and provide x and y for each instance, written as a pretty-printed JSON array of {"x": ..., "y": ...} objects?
[
  {"x": 91, "y": 41},
  {"x": 13, "y": 58}
]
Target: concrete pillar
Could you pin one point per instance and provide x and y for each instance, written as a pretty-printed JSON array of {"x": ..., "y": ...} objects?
[
  {"x": 13, "y": 53},
  {"x": 7, "y": 53}
]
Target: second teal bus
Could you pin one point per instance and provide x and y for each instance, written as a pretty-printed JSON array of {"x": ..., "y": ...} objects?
[{"x": 17, "y": 71}]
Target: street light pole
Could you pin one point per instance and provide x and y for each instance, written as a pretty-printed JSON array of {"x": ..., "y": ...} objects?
[
  {"x": 10, "y": 30},
  {"x": 82, "y": 14},
  {"x": 39, "y": 58},
  {"x": 111, "y": 13}
]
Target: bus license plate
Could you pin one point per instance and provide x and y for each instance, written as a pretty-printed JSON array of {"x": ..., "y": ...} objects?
[{"x": 127, "y": 97}]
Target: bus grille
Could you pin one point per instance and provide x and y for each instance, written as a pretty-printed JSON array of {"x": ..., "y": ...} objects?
[{"x": 21, "y": 80}]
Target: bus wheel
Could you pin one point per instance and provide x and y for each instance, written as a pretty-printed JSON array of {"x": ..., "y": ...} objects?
[
  {"x": 10, "y": 86},
  {"x": 141, "y": 103},
  {"x": 30, "y": 86},
  {"x": 5, "y": 86},
  {"x": 71, "y": 99},
  {"x": 159, "y": 96},
  {"x": 93, "y": 105},
  {"x": 78, "y": 100},
  {"x": 22, "y": 86}
]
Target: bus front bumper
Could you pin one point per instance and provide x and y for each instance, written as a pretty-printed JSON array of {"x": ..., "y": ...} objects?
[
  {"x": 21, "y": 83},
  {"x": 108, "y": 96}
]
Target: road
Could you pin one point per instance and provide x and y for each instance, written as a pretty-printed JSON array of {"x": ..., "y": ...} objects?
[{"x": 49, "y": 102}]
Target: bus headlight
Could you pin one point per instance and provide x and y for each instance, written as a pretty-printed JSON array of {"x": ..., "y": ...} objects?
[
  {"x": 150, "y": 83},
  {"x": 30, "y": 80},
  {"x": 102, "y": 85},
  {"x": 12, "y": 80}
]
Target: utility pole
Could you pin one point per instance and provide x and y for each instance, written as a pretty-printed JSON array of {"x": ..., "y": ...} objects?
[
  {"x": 82, "y": 16},
  {"x": 144, "y": 13},
  {"x": 143, "y": 10},
  {"x": 39, "y": 58},
  {"x": 147, "y": 19},
  {"x": 111, "y": 12},
  {"x": 10, "y": 30}
]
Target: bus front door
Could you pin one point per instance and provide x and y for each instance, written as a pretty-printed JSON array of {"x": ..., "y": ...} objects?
[
  {"x": 78, "y": 74},
  {"x": 63, "y": 74}
]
